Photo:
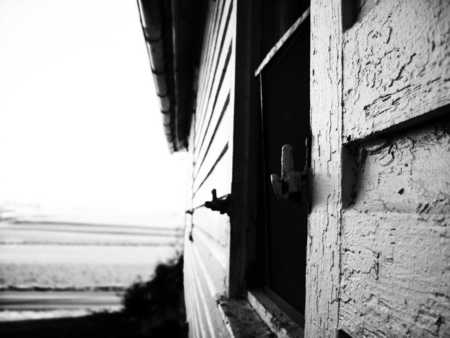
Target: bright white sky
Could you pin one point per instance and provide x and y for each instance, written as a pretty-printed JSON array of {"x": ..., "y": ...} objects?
[{"x": 80, "y": 128}]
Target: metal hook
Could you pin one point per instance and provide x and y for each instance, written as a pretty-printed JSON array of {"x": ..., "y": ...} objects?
[{"x": 289, "y": 185}]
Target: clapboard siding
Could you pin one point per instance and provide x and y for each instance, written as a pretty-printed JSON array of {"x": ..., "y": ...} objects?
[
  {"x": 216, "y": 175},
  {"x": 211, "y": 21},
  {"x": 207, "y": 312},
  {"x": 207, "y": 251},
  {"x": 213, "y": 225},
  {"x": 214, "y": 248},
  {"x": 214, "y": 22},
  {"x": 212, "y": 67},
  {"x": 212, "y": 258},
  {"x": 200, "y": 315},
  {"x": 215, "y": 122},
  {"x": 215, "y": 110},
  {"x": 218, "y": 151}
]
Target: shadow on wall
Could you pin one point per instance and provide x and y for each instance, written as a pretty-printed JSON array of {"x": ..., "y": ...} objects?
[{"x": 154, "y": 308}]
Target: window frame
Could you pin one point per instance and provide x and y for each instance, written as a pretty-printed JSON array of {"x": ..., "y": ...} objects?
[{"x": 244, "y": 265}]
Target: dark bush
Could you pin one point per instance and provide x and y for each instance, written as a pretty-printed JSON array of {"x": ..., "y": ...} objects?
[{"x": 159, "y": 302}]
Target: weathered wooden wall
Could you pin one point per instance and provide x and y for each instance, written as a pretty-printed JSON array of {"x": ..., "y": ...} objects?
[
  {"x": 207, "y": 242},
  {"x": 378, "y": 246},
  {"x": 395, "y": 266}
]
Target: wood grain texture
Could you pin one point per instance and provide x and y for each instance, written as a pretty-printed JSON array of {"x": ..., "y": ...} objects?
[
  {"x": 396, "y": 243},
  {"x": 322, "y": 279},
  {"x": 396, "y": 65}
]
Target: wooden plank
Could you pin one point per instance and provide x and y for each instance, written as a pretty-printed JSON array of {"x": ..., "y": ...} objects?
[
  {"x": 397, "y": 66},
  {"x": 396, "y": 243},
  {"x": 242, "y": 320},
  {"x": 275, "y": 318},
  {"x": 322, "y": 272},
  {"x": 280, "y": 43},
  {"x": 395, "y": 275}
]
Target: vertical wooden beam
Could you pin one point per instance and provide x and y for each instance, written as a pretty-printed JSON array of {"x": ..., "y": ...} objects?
[
  {"x": 243, "y": 214},
  {"x": 323, "y": 262}
]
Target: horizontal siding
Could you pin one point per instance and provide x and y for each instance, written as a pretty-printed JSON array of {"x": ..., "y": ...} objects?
[
  {"x": 217, "y": 176},
  {"x": 214, "y": 65},
  {"x": 198, "y": 323},
  {"x": 207, "y": 252},
  {"x": 216, "y": 134},
  {"x": 206, "y": 318}
]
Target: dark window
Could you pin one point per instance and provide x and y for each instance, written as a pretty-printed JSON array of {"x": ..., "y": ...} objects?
[{"x": 284, "y": 111}]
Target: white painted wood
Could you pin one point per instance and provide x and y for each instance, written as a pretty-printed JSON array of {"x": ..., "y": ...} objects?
[
  {"x": 396, "y": 243},
  {"x": 396, "y": 65},
  {"x": 322, "y": 279},
  {"x": 395, "y": 254}
]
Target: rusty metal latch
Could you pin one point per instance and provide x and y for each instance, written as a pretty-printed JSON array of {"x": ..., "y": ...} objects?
[
  {"x": 289, "y": 186},
  {"x": 221, "y": 204}
]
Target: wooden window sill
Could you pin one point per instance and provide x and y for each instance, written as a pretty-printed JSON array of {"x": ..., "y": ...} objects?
[
  {"x": 242, "y": 320},
  {"x": 276, "y": 319}
]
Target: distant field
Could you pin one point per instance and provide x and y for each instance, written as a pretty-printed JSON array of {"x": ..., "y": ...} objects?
[
  {"x": 71, "y": 276},
  {"x": 70, "y": 256},
  {"x": 77, "y": 267}
]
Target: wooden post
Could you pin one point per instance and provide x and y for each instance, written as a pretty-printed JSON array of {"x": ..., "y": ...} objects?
[{"x": 323, "y": 261}]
